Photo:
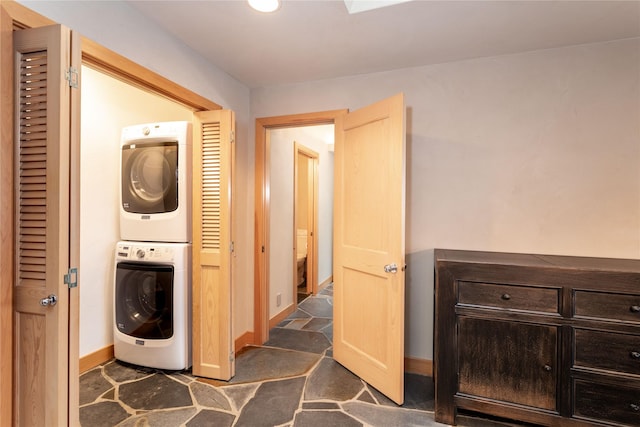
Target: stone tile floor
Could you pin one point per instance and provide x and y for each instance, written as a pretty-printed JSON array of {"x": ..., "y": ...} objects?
[{"x": 290, "y": 381}]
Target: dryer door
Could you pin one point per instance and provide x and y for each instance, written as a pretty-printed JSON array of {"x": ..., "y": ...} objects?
[
  {"x": 144, "y": 300},
  {"x": 150, "y": 177}
]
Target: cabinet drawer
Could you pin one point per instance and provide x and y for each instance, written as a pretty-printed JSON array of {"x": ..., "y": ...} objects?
[
  {"x": 607, "y": 350},
  {"x": 606, "y": 402},
  {"x": 602, "y": 305},
  {"x": 509, "y": 297}
]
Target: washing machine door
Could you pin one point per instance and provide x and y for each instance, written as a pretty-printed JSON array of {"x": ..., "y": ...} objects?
[
  {"x": 144, "y": 300},
  {"x": 150, "y": 177}
]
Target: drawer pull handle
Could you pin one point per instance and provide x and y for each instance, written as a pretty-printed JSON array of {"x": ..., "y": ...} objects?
[
  {"x": 635, "y": 407},
  {"x": 547, "y": 368},
  {"x": 635, "y": 354},
  {"x": 635, "y": 308},
  {"x": 506, "y": 297}
]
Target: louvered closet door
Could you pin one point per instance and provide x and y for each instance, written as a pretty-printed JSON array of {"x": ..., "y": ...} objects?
[
  {"x": 43, "y": 135},
  {"x": 213, "y": 156}
]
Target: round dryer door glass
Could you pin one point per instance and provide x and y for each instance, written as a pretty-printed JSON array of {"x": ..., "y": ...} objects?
[
  {"x": 150, "y": 177},
  {"x": 144, "y": 300}
]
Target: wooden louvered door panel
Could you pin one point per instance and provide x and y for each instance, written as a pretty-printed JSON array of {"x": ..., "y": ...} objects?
[
  {"x": 43, "y": 142},
  {"x": 213, "y": 156}
]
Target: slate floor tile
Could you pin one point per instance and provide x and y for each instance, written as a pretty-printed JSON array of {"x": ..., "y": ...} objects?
[
  {"x": 173, "y": 417},
  {"x": 318, "y": 307},
  {"x": 121, "y": 372},
  {"x": 264, "y": 363},
  {"x": 209, "y": 396},
  {"x": 298, "y": 314},
  {"x": 330, "y": 381},
  {"x": 155, "y": 392},
  {"x": 274, "y": 404},
  {"x": 307, "y": 341},
  {"x": 380, "y": 416},
  {"x": 102, "y": 414},
  {"x": 297, "y": 323},
  {"x": 92, "y": 386},
  {"x": 317, "y": 324},
  {"x": 211, "y": 418},
  {"x": 325, "y": 419},
  {"x": 240, "y": 394}
]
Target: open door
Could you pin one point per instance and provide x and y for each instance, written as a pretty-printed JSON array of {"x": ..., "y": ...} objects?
[
  {"x": 369, "y": 244},
  {"x": 213, "y": 161},
  {"x": 46, "y": 174}
]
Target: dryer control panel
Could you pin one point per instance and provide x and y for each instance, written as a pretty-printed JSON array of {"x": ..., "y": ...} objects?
[{"x": 143, "y": 252}]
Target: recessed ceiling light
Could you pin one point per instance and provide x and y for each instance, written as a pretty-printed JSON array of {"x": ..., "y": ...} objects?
[{"x": 265, "y": 5}]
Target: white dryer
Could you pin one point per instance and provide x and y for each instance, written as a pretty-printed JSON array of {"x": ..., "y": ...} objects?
[
  {"x": 155, "y": 188},
  {"x": 152, "y": 309}
]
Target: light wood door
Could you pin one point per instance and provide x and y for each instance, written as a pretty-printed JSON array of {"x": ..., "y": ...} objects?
[
  {"x": 369, "y": 235},
  {"x": 45, "y": 197},
  {"x": 213, "y": 160}
]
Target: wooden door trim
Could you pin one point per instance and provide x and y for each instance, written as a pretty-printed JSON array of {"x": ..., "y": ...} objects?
[
  {"x": 312, "y": 218},
  {"x": 98, "y": 57},
  {"x": 6, "y": 217},
  {"x": 114, "y": 64},
  {"x": 261, "y": 233},
  {"x": 118, "y": 66}
]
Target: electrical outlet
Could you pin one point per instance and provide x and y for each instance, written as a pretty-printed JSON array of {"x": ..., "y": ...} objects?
[{"x": 278, "y": 300}]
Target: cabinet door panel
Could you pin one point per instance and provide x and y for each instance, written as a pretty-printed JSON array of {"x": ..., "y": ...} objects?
[{"x": 508, "y": 361}]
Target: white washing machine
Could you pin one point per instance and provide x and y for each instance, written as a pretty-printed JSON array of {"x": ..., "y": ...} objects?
[
  {"x": 155, "y": 188},
  {"x": 152, "y": 309}
]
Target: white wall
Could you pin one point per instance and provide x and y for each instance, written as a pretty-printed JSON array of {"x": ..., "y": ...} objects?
[
  {"x": 281, "y": 209},
  {"x": 534, "y": 152},
  {"x": 107, "y": 106}
]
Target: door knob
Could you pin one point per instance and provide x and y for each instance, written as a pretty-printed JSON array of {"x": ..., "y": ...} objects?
[
  {"x": 391, "y": 268},
  {"x": 50, "y": 300}
]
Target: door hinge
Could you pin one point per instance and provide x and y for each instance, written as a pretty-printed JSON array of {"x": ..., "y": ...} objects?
[
  {"x": 73, "y": 77},
  {"x": 71, "y": 278},
  {"x": 231, "y": 357},
  {"x": 232, "y": 136},
  {"x": 232, "y": 247}
]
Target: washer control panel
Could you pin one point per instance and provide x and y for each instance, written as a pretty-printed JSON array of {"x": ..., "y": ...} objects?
[{"x": 139, "y": 252}]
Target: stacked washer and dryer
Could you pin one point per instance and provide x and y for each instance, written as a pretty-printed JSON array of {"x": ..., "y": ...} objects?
[{"x": 152, "y": 292}]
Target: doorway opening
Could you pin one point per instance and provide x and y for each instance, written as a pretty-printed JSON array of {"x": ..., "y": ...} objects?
[
  {"x": 305, "y": 207},
  {"x": 301, "y": 191},
  {"x": 265, "y": 205}
]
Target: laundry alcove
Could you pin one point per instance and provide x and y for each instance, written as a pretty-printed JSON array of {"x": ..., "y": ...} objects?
[{"x": 107, "y": 105}]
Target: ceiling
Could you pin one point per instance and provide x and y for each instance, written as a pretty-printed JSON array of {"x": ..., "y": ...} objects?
[{"x": 312, "y": 40}]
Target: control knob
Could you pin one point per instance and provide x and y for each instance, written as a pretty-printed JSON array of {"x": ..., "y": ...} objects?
[{"x": 140, "y": 253}]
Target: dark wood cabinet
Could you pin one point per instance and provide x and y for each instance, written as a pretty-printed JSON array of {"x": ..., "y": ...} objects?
[{"x": 543, "y": 339}]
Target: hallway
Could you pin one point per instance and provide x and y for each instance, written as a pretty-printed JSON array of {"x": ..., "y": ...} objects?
[{"x": 290, "y": 381}]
